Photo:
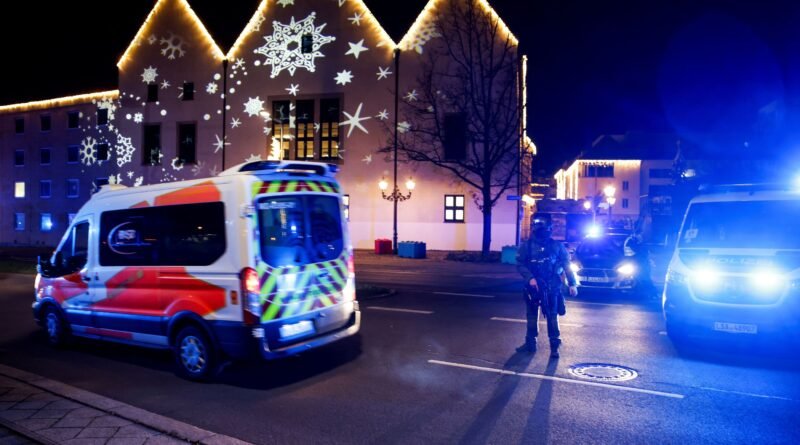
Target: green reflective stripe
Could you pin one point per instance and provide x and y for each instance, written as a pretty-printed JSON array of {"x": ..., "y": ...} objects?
[
  {"x": 273, "y": 187},
  {"x": 313, "y": 186},
  {"x": 291, "y": 186},
  {"x": 336, "y": 273},
  {"x": 256, "y": 187}
]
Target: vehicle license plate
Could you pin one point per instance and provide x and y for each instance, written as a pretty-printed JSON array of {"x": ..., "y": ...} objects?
[
  {"x": 596, "y": 279},
  {"x": 736, "y": 328},
  {"x": 295, "y": 329}
]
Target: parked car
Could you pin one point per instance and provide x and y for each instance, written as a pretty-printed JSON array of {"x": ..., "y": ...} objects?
[{"x": 599, "y": 262}]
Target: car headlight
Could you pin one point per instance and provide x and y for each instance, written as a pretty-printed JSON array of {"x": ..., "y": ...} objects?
[
  {"x": 767, "y": 280},
  {"x": 627, "y": 269},
  {"x": 706, "y": 278},
  {"x": 574, "y": 267}
]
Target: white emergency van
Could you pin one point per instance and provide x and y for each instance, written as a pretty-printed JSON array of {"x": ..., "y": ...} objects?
[
  {"x": 736, "y": 265},
  {"x": 254, "y": 261}
]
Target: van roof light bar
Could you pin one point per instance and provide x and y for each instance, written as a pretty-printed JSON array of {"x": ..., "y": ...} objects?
[
  {"x": 744, "y": 188},
  {"x": 291, "y": 167}
]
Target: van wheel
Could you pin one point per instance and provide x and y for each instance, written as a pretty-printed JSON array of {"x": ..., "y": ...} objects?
[
  {"x": 55, "y": 327},
  {"x": 195, "y": 357}
]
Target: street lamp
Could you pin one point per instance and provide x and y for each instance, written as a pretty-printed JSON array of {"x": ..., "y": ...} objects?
[
  {"x": 609, "y": 191},
  {"x": 395, "y": 197}
]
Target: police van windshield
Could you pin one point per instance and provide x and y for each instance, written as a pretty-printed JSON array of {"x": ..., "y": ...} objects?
[
  {"x": 742, "y": 224},
  {"x": 297, "y": 230}
]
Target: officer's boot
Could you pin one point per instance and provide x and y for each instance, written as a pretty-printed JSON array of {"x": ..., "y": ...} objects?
[
  {"x": 554, "y": 344},
  {"x": 529, "y": 347}
]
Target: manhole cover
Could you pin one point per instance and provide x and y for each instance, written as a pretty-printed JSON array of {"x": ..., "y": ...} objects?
[{"x": 603, "y": 372}]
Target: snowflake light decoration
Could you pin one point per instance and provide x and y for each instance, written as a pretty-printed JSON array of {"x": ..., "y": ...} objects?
[
  {"x": 138, "y": 182},
  {"x": 235, "y": 122},
  {"x": 174, "y": 45},
  {"x": 253, "y": 106},
  {"x": 138, "y": 117},
  {"x": 354, "y": 121},
  {"x": 149, "y": 75},
  {"x": 253, "y": 158},
  {"x": 425, "y": 34},
  {"x": 383, "y": 115},
  {"x": 285, "y": 3},
  {"x": 177, "y": 164},
  {"x": 110, "y": 106},
  {"x": 344, "y": 77},
  {"x": 88, "y": 152},
  {"x": 197, "y": 168},
  {"x": 211, "y": 88},
  {"x": 383, "y": 73},
  {"x": 125, "y": 150},
  {"x": 220, "y": 144},
  {"x": 293, "y": 89},
  {"x": 277, "y": 48}
]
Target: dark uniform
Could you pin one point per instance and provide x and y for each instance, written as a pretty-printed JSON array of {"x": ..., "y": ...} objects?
[{"x": 547, "y": 261}]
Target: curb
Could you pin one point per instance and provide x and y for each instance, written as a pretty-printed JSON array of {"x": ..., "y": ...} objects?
[
  {"x": 391, "y": 293},
  {"x": 22, "y": 431},
  {"x": 165, "y": 425}
]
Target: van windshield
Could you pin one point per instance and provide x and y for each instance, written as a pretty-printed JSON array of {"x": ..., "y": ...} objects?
[
  {"x": 297, "y": 230},
  {"x": 743, "y": 224}
]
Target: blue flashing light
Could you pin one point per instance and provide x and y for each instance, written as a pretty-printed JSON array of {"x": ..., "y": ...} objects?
[{"x": 594, "y": 231}]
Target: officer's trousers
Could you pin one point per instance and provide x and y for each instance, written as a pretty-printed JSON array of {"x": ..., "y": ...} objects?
[{"x": 533, "y": 307}]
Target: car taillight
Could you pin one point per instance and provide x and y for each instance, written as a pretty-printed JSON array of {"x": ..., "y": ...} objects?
[
  {"x": 351, "y": 265},
  {"x": 251, "y": 296}
]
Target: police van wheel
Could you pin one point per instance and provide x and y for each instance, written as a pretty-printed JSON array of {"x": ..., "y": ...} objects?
[
  {"x": 195, "y": 358},
  {"x": 55, "y": 327}
]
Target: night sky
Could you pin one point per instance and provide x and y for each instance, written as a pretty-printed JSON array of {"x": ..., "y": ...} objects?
[{"x": 694, "y": 67}]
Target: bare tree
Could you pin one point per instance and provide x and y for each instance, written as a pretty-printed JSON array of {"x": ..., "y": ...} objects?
[{"x": 465, "y": 114}]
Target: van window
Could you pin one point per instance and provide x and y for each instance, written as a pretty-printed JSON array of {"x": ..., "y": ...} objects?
[
  {"x": 179, "y": 235},
  {"x": 742, "y": 224},
  {"x": 74, "y": 251},
  {"x": 297, "y": 230}
]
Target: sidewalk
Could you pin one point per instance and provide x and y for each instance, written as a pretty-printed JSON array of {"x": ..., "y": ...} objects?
[
  {"x": 434, "y": 263},
  {"x": 50, "y": 412}
]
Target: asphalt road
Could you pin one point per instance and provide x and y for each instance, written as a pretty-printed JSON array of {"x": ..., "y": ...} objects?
[{"x": 436, "y": 364}]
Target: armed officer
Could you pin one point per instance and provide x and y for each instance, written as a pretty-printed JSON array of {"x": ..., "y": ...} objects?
[{"x": 544, "y": 265}]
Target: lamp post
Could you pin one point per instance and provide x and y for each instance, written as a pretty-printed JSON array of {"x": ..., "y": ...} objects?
[
  {"x": 395, "y": 197},
  {"x": 610, "y": 191}
]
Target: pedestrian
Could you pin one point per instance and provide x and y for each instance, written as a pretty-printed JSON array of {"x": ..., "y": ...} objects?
[{"x": 544, "y": 265}]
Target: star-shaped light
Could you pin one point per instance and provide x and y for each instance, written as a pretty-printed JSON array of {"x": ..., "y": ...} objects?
[
  {"x": 403, "y": 127},
  {"x": 356, "y": 48},
  {"x": 238, "y": 64},
  {"x": 152, "y": 39},
  {"x": 367, "y": 159},
  {"x": 164, "y": 84},
  {"x": 293, "y": 89},
  {"x": 383, "y": 73},
  {"x": 356, "y": 19},
  {"x": 411, "y": 96},
  {"x": 235, "y": 122},
  {"x": 220, "y": 143},
  {"x": 253, "y": 106},
  {"x": 383, "y": 115},
  {"x": 344, "y": 77},
  {"x": 354, "y": 120}
]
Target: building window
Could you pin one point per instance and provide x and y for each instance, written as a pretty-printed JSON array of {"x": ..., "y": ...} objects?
[
  {"x": 73, "y": 154},
  {"x": 152, "y": 144},
  {"x": 598, "y": 171},
  {"x": 19, "y": 189},
  {"x": 624, "y": 203},
  {"x": 307, "y": 44},
  {"x": 45, "y": 188},
  {"x": 19, "y": 125},
  {"x": 329, "y": 128},
  {"x": 455, "y": 136},
  {"x": 46, "y": 222},
  {"x": 304, "y": 138},
  {"x": 44, "y": 155},
  {"x": 187, "y": 135},
  {"x": 102, "y": 152},
  {"x": 70, "y": 218},
  {"x": 73, "y": 119},
  {"x": 660, "y": 173},
  {"x": 45, "y": 122},
  {"x": 280, "y": 126},
  {"x": 102, "y": 116},
  {"x": 454, "y": 208},
  {"x": 346, "y": 205},
  {"x": 188, "y": 90},
  {"x": 625, "y": 186},
  {"x": 19, "y": 222},
  {"x": 152, "y": 92},
  {"x": 19, "y": 158},
  {"x": 73, "y": 188}
]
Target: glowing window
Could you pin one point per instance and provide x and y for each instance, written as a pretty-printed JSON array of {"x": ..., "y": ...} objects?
[
  {"x": 19, "y": 222},
  {"x": 19, "y": 189},
  {"x": 346, "y": 205},
  {"x": 46, "y": 222},
  {"x": 281, "y": 130},
  {"x": 304, "y": 139},
  {"x": 454, "y": 208},
  {"x": 329, "y": 128}
]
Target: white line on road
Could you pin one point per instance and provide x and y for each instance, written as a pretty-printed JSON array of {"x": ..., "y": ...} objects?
[
  {"x": 558, "y": 379},
  {"x": 522, "y": 320},
  {"x": 394, "y": 309},
  {"x": 747, "y": 394},
  {"x": 464, "y": 295}
]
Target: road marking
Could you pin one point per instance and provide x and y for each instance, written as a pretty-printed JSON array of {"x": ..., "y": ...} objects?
[
  {"x": 464, "y": 295},
  {"x": 558, "y": 379},
  {"x": 662, "y": 332},
  {"x": 522, "y": 320},
  {"x": 394, "y": 309},
  {"x": 747, "y": 394}
]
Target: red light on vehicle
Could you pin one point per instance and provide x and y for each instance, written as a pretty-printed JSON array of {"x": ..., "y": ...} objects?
[
  {"x": 250, "y": 281},
  {"x": 351, "y": 265},
  {"x": 251, "y": 296}
]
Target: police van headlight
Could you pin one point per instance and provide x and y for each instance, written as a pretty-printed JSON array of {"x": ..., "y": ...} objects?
[
  {"x": 706, "y": 278},
  {"x": 767, "y": 280},
  {"x": 574, "y": 267},
  {"x": 627, "y": 269}
]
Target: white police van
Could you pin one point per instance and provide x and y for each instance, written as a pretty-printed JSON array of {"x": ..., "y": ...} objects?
[
  {"x": 256, "y": 261},
  {"x": 736, "y": 265}
]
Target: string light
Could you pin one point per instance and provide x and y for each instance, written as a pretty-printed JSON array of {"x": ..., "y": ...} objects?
[{"x": 59, "y": 102}]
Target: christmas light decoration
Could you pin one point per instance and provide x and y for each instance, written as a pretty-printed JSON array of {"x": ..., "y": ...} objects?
[{"x": 60, "y": 102}]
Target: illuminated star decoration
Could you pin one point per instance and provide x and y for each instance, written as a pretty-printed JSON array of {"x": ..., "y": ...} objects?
[
  {"x": 211, "y": 88},
  {"x": 367, "y": 159},
  {"x": 403, "y": 127},
  {"x": 411, "y": 96},
  {"x": 152, "y": 39},
  {"x": 356, "y": 48},
  {"x": 238, "y": 64},
  {"x": 293, "y": 89},
  {"x": 423, "y": 35},
  {"x": 383, "y": 115},
  {"x": 125, "y": 150},
  {"x": 164, "y": 84},
  {"x": 130, "y": 175},
  {"x": 149, "y": 75},
  {"x": 383, "y": 73},
  {"x": 138, "y": 181},
  {"x": 344, "y": 77},
  {"x": 356, "y": 19},
  {"x": 267, "y": 131},
  {"x": 277, "y": 52},
  {"x": 285, "y": 3},
  {"x": 138, "y": 117},
  {"x": 253, "y": 106},
  {"x": 235, "y": 122},
  {"x": 341, "y": 2},
  {"x": 220, "y": 144},
  {"x": 354, "y": 121}
]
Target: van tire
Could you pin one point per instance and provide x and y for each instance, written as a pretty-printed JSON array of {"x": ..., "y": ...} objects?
[
  {"x": 55, "y": 327},
  {"x": 195, "y": 356}
]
